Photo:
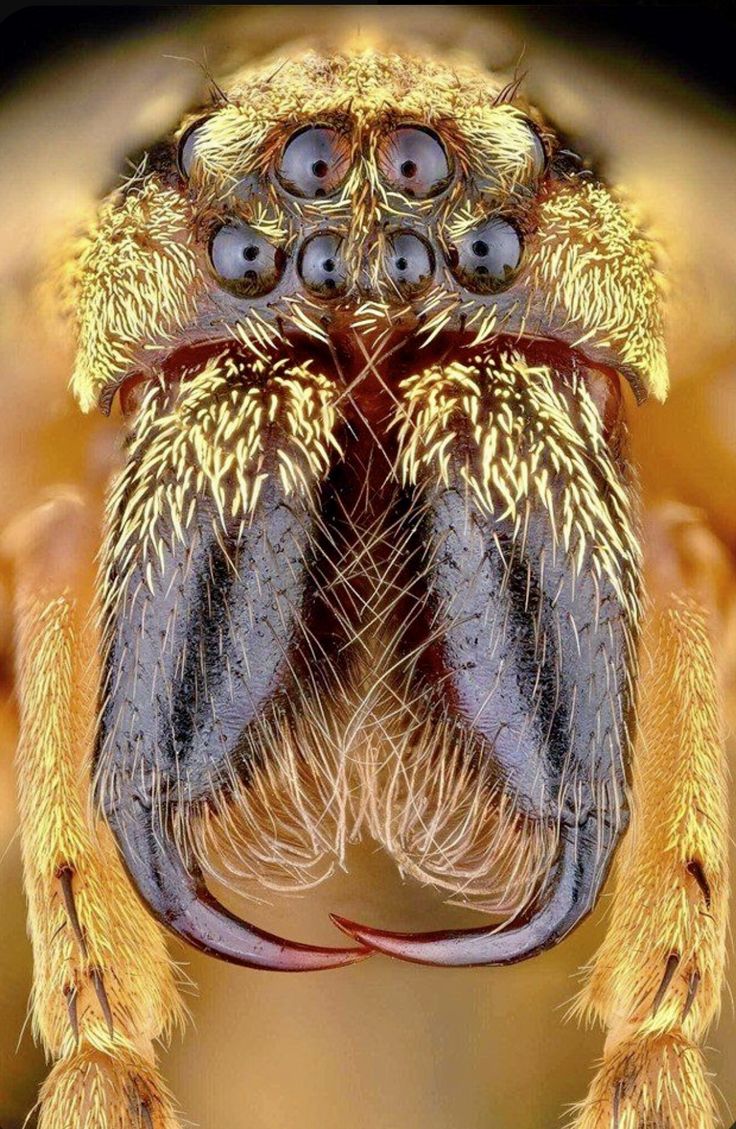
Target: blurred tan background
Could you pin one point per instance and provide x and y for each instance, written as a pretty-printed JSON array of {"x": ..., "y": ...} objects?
[{"x": 384, "y": 1045}]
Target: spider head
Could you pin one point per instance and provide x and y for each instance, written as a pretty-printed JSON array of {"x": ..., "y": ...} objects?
[
  {"x": 368, "y": 251},
  {"x": 361, "y": 196}
]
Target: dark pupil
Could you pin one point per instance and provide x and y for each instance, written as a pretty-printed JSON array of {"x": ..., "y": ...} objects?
[
  {"x": 488, "y": 259},
  {"x": 408, "y": 169},
  {"x": 244, "y": 262},
  {"x": 320, "y": 169},
  {"x": 321, "y": 264}
]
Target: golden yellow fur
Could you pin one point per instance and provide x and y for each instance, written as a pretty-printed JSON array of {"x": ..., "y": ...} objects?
[{"x": 105, "y": 988}]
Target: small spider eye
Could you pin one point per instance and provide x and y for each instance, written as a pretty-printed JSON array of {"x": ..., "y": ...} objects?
[
  {"x": 487, "y": 258},
  {"x": 314, "y": 162},
  {"x": 409, "y": 263},
  {"x": 244, "y": 262},
  {"x": 322, "y": 266},
  {"x": 413, "y": 160},
  {"x": 188, "y": 146}
]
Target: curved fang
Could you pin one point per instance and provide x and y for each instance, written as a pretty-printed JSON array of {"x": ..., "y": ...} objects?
[
  {"x": 583, "y": 863},
  {"x": 179, "y": 898}
]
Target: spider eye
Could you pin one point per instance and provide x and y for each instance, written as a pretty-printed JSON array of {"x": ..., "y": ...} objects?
[
  {"x": 322, "y": 265},
  {"x": 409, "y": 263},
  {"x": 244, "y": 262},
  {"x": 487, "y": 258},
  {"x": 188, "y": 146},
  {"x": 314, "y": 162},
  {"x": 414, "y": 160}
]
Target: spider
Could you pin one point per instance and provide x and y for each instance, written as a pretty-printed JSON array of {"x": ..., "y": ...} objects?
[{"x": 372, "y": 564}]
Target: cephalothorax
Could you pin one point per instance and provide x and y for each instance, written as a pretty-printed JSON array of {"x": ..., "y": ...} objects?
[{"x": 372, "y": 564}]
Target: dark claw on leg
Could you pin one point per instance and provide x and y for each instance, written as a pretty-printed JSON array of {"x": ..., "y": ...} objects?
[
  {"x": 99, "y": 986},
  {"x": 692, "y": 991},
  {"x": 617, "y": 1095},
  {"x": 71, "y": 1007},
  {"x": 65, "y": 875},
  {"x": 696, "y": 871},
  {"x": 669, "y": 971}
]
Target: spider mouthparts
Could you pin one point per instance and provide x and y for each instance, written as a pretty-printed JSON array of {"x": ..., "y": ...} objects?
[
  {"x": 445, "y": 948},
  {"x": 176, "y": 893},
  {"x": 571, "y": 892}
]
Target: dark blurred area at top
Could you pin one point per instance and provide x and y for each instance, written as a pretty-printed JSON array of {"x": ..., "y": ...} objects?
[{"x": 686, "y": 40}]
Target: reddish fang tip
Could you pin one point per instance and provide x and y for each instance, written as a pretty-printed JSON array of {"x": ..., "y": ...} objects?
[
  {"x": 178, "y": 896},
  {"x": 280, "y": 955},
  {"x": 450, "y": 948},
  {"x": 276, "y": 954}
]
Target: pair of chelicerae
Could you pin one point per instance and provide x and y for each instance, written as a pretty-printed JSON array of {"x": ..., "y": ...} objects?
[{"x": 371, "y": 566}]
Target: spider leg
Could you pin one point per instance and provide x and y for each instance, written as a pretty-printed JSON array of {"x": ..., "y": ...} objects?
[
  {"x": 656, "y": 980},
  {"x": 104, "y": 987}
]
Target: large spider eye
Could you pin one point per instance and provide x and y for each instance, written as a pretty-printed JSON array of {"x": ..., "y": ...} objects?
[
  {"x": 188, "y": 146},
  {"x": 487, "y": 258},
  {"x": 244, "y": 262},
  {"x": 314, "y": 162},
  {"x": 414, "y": 160}
]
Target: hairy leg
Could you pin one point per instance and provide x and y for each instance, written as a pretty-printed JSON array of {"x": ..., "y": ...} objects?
[
  {"x": 104, "y": 986},
  {"x": 657, "y": 979}
]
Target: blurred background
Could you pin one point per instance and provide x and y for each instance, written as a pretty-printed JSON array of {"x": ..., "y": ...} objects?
[{"x": 647, "y": 91}]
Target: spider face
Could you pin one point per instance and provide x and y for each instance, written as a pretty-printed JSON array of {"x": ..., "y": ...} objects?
[
  {"x": 392, "y": 255},
  {"x": 368, "y": 322}
]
